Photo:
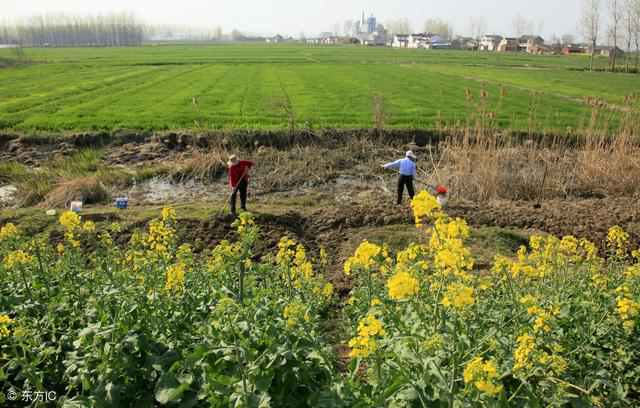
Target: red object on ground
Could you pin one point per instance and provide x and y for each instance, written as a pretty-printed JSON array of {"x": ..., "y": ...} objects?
[
  {"x": 442, "y": 190},
  {"x": 235, "y": 172}
]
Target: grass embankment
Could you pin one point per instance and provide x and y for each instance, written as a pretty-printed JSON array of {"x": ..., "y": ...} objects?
[{"x": 261, "y": 86}]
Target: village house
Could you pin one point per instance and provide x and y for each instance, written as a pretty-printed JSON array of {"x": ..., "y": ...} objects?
[
  {"x": 527, "y": 43},
  {"x": 468, "y": 43},
  {"x": 444, "y": 45},
  {"x": 608, "y": 51},
  {"x": 276, "y": 39},
  {"x": 400, "y": 41},
  {"x": 417, "y": 41},
  {"x": 489, "y": 43},
  {"x": 378, "y": 37},
  {"x": 572, "y": 49},
  {"x": 508, "y": 45},
  {"x": 584, "y": 48}
]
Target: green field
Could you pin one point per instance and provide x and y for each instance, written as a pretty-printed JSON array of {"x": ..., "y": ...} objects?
[{"x": 244, "y": 86}]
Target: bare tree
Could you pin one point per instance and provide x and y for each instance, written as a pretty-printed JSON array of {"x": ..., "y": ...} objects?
[
  {"x": 590, "y": 25},
  {"x": 438, "y": 26},
  {"x": 400, "y": 26},
  {"x": 628, "y": 24},
  {"x": 522, "y": 26},
  {"x": 477, "y": 27},
  {"x": 636, "y": 29},
  {"x": 568, "y": 38},
  {"x": 59, "y": 29},
  {"x": 219, "y": 33},
  {"x": 615, "y": 12}
]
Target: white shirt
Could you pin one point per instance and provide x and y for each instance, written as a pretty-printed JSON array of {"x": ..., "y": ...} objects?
[{"x": 406, "y": 165}]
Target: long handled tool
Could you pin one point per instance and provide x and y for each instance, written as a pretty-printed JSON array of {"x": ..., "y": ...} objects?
[
  {"x": 538, "y": 205},
  {"x": 422, "y": 182},
  {"x": 235, "y": 190}
]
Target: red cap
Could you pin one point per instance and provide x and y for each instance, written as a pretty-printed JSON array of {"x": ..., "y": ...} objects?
[{"x": 442, "y": 190}]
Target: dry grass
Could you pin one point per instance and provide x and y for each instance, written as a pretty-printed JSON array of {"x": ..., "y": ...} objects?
[
  {"x": 89, "y": 190},
  {"x": 202, "y": 165},
  {"x": 483, "y": 165}
]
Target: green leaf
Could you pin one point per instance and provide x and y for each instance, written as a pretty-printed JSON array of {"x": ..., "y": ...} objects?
[
  {"x": 163, "y": 362},
  {"x": 169, "y": 389}
]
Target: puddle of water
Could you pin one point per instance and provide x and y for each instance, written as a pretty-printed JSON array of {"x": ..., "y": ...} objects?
[
  {"x": 161, "y": 191},
  {"x": 7, "y": 195}
]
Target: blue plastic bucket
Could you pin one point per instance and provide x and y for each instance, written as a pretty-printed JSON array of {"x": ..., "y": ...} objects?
[{"x": 122, "y": 203}]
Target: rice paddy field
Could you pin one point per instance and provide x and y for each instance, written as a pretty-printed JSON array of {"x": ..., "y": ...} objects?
[{"x": 264, "y": 86}]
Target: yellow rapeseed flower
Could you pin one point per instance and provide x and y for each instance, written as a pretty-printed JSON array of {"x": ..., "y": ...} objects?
[
  {"x": 364, "y": 257},
  {"x": 483, "y": 376},
  {"x": 70, "y": 221},
  {"x": 458, "y": 296},
  {"x": 8, "y": 231},
  {"x": 5, "y": 322},
  {"x": 617, "y": 240},
  {"x": 175, "y": 277},
  {"x": 524, "y": 353},
  {"x": 296, "y": 313},
  {"x": 89, "y": 226},
  {"x": 425, "y": 206},
  {"x": 18, "y": 257},
  {"x": 369, "y": 330},
  {"x": 402, "y": 286}
]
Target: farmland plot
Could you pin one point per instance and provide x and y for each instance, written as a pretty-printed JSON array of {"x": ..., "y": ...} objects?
[{"x": 172, "y": 87}]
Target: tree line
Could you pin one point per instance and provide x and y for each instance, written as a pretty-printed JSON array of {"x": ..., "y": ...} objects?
[
  {"x": 114, "y": 29},
  {"x": 615, "y": 20}
]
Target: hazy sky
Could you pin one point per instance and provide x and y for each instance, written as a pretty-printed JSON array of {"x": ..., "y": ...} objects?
[{"x": 313, "y": 16}]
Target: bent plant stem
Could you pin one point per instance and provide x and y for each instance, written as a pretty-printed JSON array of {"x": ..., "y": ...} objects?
[
  {"x": 239, "y": 362},
  {"x": 26, "y": 285},
  {"x": 452, "y": 386},
  {"x": 241, "y": 283}
]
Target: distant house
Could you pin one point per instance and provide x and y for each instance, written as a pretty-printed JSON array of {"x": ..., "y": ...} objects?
[
  {"x": 8, "y": 46},
  {"x": 378, "y": 37},
  {"x": 572, "y": 49},
  {"x": 417, "y": 41},
  {"x": 527, "y": 43},
  {"x": 445, "y": 45},
  {"x": 601, "y": 50},
  {"x": 508, "y": 45},
  {"x": 540, "y": 49},
  {"x": 400, "y": 41},
  {"x": 609, "y": 51},
  {"x": 277, "y": 39},
  {"x": 434, "y": 38},
  {"x": 333, "y": 40},
  {"x": 489, "y": 42},
  {"x": 468, "y": 43}
]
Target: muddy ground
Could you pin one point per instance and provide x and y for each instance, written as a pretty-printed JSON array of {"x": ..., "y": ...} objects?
[
  {"x": 326, "y": 197},
  {"x": 340, "y": 227}
]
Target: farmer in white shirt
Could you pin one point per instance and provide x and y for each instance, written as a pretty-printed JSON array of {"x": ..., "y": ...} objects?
[{"x": 407, "y": 167}]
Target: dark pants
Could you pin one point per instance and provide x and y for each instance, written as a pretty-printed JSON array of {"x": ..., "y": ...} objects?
[
  {"x": 242, "y": 188},
  {"x": 405, "y": 181}
]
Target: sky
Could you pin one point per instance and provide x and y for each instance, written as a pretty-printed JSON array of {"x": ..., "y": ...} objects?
[{"x": 292, "y": 17}]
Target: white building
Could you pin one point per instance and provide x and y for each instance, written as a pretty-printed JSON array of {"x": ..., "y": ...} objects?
[
  {"x": 489, "y": 43},
  {"x": 417, "y": 41},
  {"x": 400, "y": 41}
]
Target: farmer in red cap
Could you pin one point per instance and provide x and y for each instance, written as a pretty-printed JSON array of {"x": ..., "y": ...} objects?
[
  {"x": 239, "y": 180},
  {"x": 441, "y": 196}
]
